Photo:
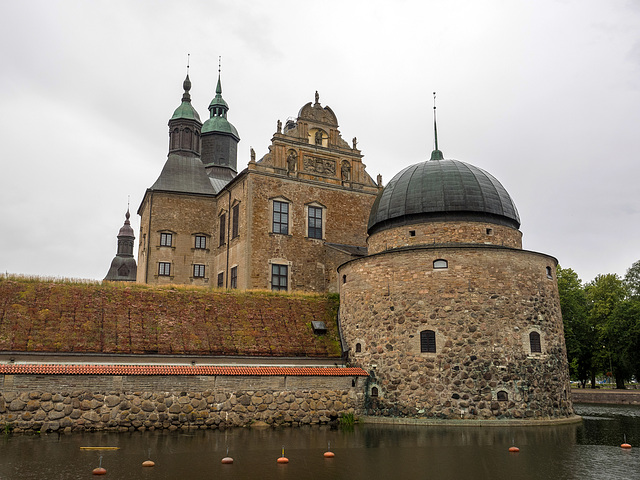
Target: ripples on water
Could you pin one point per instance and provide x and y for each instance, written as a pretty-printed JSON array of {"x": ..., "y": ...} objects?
[{"x": 590, "y": 450}]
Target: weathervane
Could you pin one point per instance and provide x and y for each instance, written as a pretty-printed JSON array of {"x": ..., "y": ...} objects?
[{"x": 436, "y": 154}]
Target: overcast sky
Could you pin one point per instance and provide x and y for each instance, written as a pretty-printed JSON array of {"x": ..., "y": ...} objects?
[{"x": 544, "y": 95}]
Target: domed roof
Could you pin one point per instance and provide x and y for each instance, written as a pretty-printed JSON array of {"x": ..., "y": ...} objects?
[
  {"x": 186, "y": 110},
  {"x": 440, "y": 190},
  {"x": 219, "y": 125}
]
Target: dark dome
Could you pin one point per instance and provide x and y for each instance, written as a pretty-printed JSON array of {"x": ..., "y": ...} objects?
[{"x": 441, "y": 190}]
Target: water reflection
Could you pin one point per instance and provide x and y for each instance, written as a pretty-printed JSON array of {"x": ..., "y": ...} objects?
[{"x": 582, "y": 451}]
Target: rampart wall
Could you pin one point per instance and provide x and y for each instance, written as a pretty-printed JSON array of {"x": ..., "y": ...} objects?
[{"x": 72, "y": 403}]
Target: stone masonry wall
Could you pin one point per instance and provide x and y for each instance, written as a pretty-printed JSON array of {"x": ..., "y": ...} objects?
[
  {"x": 311, "y": 264},
  {"x": 482, "y": 309},
  {"x": 30, "y": 404},
  {"x": 444, "y": 232}
]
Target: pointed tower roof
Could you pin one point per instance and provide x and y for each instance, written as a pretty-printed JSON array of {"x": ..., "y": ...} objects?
[
  {"x": 217, "y": 122},
  {"x": 123, "y": 267},
  {"x": 186, "y": 110}
]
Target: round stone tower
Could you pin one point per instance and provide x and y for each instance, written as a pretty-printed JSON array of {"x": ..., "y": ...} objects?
[{"x": 448, "y": 314}]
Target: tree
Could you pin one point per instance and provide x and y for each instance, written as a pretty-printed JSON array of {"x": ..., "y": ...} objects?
[
  {"x": 632, "y": 279},
  {"x": 579, "y": 334},
  {"x": 605, "y": 295}
]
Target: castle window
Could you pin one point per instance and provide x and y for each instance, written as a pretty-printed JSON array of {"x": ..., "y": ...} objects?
[
  {"x": 428, "y": 341},
  {"x": 534, "y": 342},
  {"x": 223, "y": 223},
  {"x": 280, "y": 217},
  {"x": 315, "y": 222},
  {"x": 344, "y": 279},
  {"x": 412, "y": 233},
  {"x": 198, "y": 271},
  {"x": 374, "y": 391},
  {"x": 234, "y": 277},
  {"x": 489, "y": 231},
  {"x": 358, "y": 347},
  {"x": 549, "y": 275},
  {"x": 440, "y": 264},
  {"x": 502, "y": 396},
  {"x": 220, "y": 280},
  {"x": 236, "y": 220},
  {"x": 165, "y": 239},
  {"x": 201, "y": 242},
  {"x": 279, "y": 277},
  {"x": 164, "y": 269}
]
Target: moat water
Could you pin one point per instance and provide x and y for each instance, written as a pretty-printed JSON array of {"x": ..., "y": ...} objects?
[{"x": 588, "y": 450}]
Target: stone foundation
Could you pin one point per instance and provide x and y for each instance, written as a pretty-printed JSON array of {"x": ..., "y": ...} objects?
[{"x": 85, "y": 409}]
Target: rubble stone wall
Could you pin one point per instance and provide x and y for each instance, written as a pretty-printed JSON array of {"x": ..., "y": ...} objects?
[
  {"x": 29, "y": 403},
  {"x": 482, "y": 307}
]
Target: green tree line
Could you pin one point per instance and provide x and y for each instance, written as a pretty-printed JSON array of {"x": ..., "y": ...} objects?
[{"x": 602, "y": 325}]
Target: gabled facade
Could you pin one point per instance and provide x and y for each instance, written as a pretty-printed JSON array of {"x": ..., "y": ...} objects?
[{"x": 284, "y": 223}]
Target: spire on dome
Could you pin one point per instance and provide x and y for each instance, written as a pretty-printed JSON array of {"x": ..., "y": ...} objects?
[
  {"x": 436, "y": 154},
  {"x": 218, "y": 107}
]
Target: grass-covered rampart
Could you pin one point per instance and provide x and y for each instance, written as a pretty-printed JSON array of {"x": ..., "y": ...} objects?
[{"x": 74, "y": 316}]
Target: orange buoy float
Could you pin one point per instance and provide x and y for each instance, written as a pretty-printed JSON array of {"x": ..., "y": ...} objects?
[
  {"x": 329, "y": 453},
  {"x": 99, "y": 471},
  {"x": 148, "y": 463},
  {"x": 625, "y": 445},
  {"x": 283, "y": 459},
  {"x": 514, "y": 449},
  {"x": 227, "y": 460}
]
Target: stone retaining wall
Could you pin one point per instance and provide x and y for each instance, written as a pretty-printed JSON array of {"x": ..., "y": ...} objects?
[
  {"x": 85, "y": 409},
  {"x": 618, "y": 397}
]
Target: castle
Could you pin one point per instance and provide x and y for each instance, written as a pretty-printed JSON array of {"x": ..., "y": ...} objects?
[{"x": 439, "y": 303}]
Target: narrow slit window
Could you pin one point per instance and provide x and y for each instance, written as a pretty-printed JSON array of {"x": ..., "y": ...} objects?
[
  {"x": 358, "y": 347},
  {"x": 549, "y": 275}
]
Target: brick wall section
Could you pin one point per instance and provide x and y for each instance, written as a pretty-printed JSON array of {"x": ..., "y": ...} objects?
[
  {"x": 183, "y": 216},
  {"x": 92, "y": 403},
  {"x": 444, "y": 232},
  {"x": 482, "y": 308},
  {"x": 313, "y": 265}
]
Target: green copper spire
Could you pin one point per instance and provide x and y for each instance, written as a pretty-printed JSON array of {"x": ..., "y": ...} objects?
[{"x": 436, "y": 154}]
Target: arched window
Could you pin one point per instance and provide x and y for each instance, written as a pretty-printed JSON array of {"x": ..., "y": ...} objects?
[
  {"x": 358, "y": 348},
  {"x": 344, "y": 279},
  {"x": 503, "y": 396},
  {"x": 374, "y": 391},
  {"x": 440, "y": 263},
  {"x": 534, "y": 342},
  {"x": 428, "y": 341}
]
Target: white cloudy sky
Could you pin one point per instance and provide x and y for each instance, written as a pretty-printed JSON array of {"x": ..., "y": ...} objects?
[{"x": 543, "y": 94}]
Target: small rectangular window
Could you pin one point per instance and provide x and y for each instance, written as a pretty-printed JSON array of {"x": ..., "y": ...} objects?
[
  {"x": 236, "y": 221},
  {"x": 315, "y": 222},
  {"x": 220, "y": 280},
  {"x": 280, "y": 217},
  {"x": 223, "y": 223},
  {"x": 412, "y": 233},
  {"x": 165, "y": 239},
  {"x": 198, "y": 271},
  {"x": 234, "y": 277},
  {"x": 279, "y": 277},
  {"x": 201, "y": 242},
  {"x": 428, "y": 341},
  {"x": 164, "y": 269}
]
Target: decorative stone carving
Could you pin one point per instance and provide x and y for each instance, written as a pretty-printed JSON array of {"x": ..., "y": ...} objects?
[
  {"x": 355, "y": 143},
  {"x": 345, "y": 171},
  {"x": 292, "y": 160},
  {"x": 279, "y": 129},
  {"x": 322, "y": 166},
  {"x": 318, "y": 137},
  {"x": 253, "y": 155}
]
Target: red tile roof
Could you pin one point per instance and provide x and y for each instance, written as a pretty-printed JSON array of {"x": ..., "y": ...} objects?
[{"x": 58, "y": 369}]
